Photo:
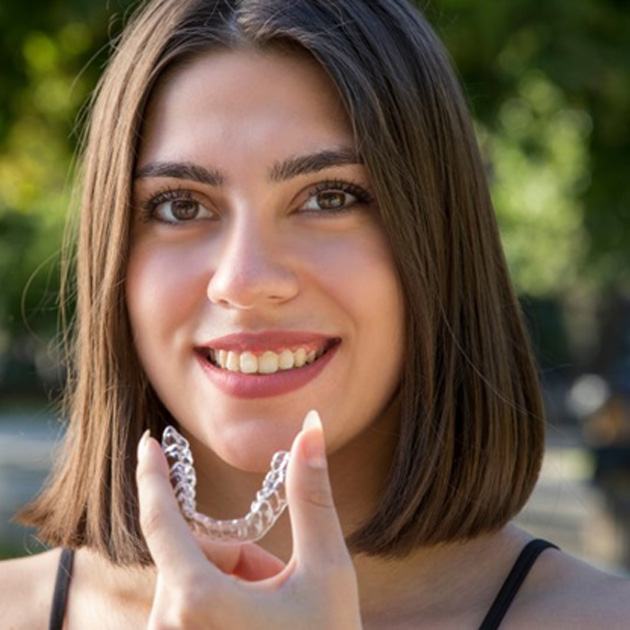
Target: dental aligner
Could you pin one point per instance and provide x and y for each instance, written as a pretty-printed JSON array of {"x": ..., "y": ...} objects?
[{"x": 264, "y": 511}]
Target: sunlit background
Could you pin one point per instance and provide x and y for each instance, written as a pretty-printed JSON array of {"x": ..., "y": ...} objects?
[{"x": 549, "y": 86}]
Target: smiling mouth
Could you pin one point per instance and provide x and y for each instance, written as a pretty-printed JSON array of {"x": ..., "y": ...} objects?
[{"x": 266, "y": 361}]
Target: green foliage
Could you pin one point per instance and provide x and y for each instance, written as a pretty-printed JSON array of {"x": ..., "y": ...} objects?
[
  {"x": 49, "y": 76},
  {"x": 549, "y": 84},
  {"x": 539, "y": 162}
]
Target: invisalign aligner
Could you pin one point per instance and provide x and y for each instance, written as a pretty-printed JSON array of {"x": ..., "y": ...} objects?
[{"x": 264, "y": 511}]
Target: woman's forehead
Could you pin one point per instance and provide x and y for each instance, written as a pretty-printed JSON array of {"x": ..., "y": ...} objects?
[{"x": 244, "y": 103}]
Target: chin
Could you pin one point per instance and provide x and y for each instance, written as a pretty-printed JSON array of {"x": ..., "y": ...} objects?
[
  {"x": 242, "y": 439},
  {"x": 250, "y": 445},
  {"x": 248, "y": 460}
]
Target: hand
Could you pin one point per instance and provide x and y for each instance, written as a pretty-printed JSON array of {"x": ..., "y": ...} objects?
[{"x": 203, "y": 584}]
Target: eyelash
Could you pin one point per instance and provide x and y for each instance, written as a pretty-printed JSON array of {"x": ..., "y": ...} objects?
[{"x": 148, "y": 208}]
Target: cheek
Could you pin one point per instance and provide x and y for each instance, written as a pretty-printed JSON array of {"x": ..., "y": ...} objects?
[
  {"x": 360, "y": 273},
  {"x": 362, "y": 279},
  {"x": 164, "y": 284}
]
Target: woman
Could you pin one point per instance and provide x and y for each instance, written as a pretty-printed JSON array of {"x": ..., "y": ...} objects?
[{"x": 267, "y": 178}]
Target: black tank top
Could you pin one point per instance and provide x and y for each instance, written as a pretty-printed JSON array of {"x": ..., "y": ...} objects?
[{"x": 491, "y": 621}]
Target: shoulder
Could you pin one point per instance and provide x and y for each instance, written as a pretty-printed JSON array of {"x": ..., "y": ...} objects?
[
  {"x": 564, "y": 592},
  {"x": 26, "y": 589}
]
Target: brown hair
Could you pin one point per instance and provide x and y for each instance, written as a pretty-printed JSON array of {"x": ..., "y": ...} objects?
[{"x": 471, "y": 433}]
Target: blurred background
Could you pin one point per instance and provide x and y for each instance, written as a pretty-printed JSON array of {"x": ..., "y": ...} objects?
[{"x": 549, "y": 87}]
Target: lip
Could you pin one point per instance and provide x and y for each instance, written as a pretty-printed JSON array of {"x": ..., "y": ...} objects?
[
  {"x": 269, "y": 340},
  {"x": 240, "y": 385}
]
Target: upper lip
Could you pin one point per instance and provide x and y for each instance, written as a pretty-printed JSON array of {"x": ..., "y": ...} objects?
[{"x": 269, "y": 340}]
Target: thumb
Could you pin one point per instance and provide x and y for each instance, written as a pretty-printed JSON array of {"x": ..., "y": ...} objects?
[{"x": 317, "y": 535}]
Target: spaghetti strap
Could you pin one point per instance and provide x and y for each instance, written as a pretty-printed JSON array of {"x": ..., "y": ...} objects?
[
  {"x": 62, "y": 586},
  {"x": 513, "y": 582}
]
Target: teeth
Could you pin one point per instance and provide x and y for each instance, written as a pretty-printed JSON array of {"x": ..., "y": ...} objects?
[
  {"x": 300, "y": 357},
  {"x": 249, "y": 363},
  {"x": 286, "y": 359},
  {"x": 232, "y": 362},
  {"x": 267, "y": 363}
]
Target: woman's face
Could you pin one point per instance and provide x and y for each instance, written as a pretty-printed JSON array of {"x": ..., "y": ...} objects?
[{"x": 256, "y": 246}]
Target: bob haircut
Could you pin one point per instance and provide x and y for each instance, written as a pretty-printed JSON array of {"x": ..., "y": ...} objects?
[{"x": 471, "y": 427}]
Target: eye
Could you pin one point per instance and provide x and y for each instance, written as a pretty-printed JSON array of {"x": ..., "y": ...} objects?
[
  {"x": 175, "y": 207},
  {"x": 335, "y": 197}
]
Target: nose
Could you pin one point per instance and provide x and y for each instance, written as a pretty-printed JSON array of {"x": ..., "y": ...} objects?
[{"x": 252, "y": 271}]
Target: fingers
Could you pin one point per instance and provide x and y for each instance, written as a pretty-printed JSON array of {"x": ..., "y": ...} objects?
[
  {"x": 170, "y": 541},
  {"x": 317, "y": 536},
  {"x": 255, "y": 564},
  {"x": 246, "y": 561}
]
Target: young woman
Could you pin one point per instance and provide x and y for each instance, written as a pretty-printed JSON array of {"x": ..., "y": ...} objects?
[{"x": 296, "y": 184}]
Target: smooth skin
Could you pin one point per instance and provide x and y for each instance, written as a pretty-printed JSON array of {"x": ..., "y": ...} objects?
[{"x": 256, "y": 253}]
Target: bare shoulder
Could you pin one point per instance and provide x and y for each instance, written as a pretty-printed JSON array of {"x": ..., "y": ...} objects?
[
  {"x": 565, "y": 592},
  {"x": 26, "y": 588}
]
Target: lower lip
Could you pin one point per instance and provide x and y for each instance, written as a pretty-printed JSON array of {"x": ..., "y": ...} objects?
[{"x": 242, "y": 385}]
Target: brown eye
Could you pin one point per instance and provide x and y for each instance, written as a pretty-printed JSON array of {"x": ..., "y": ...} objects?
[
  {"x": 335, "y": 198},
  {"x": 332, "y": 200},
  {"x": 184, "y": 209},
  {"x": 175, "y": 207}
]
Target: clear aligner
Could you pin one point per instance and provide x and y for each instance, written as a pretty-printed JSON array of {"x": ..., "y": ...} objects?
[{"x": 264, "y": 511}]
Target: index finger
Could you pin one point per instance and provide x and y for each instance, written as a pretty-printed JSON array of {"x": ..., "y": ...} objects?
[{"x": 170, "y": 541}]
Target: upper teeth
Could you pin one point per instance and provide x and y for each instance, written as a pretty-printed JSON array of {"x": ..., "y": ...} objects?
[{"x": 267, "y": 362}]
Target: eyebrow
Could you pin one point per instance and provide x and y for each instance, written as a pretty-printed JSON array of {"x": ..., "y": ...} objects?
[{"x": 279, "y": 171}]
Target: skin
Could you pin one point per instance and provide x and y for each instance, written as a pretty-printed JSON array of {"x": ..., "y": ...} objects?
[
  {"x": 260, "y": 256},
  {"x": 264, "y": 264}
]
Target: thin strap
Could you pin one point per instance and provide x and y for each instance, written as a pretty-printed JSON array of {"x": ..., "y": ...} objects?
[
  {"x": 62, "y": 586},
  {"x": 513, "y": 582}
]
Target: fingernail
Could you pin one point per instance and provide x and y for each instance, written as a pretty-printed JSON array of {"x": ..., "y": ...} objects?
[
  {"x": 314, "y": 445},
  {"x": 142, "y": 444}
]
